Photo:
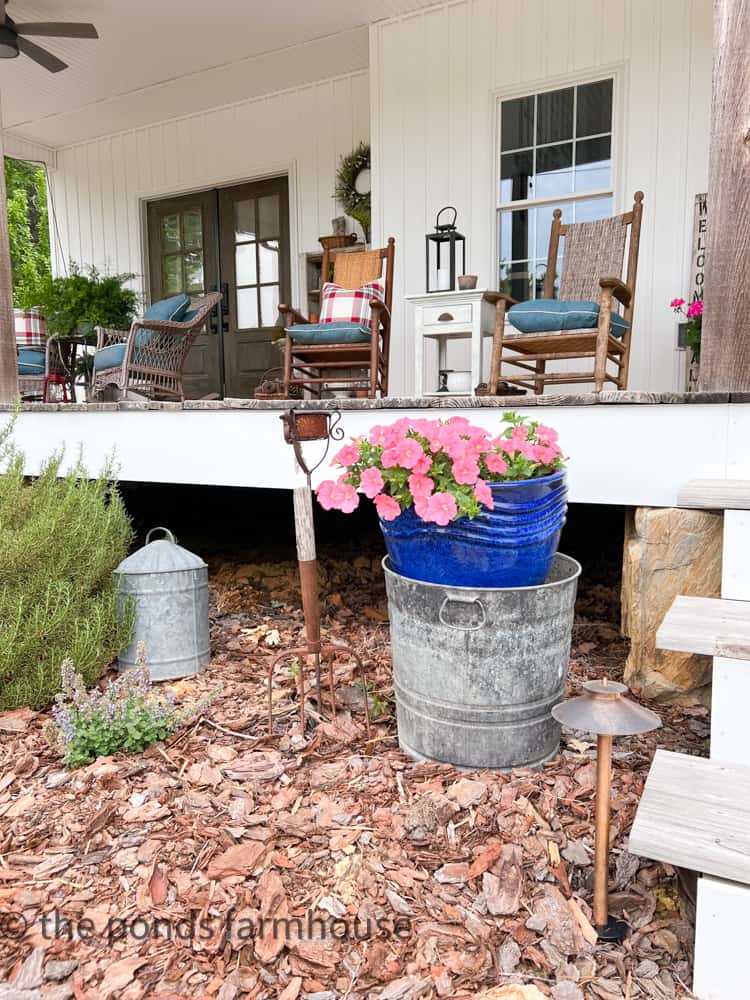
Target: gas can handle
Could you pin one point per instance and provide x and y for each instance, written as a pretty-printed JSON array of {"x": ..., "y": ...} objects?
[
  {"x": 166, "y": 532},
  {"x": 462, "y": 600}
]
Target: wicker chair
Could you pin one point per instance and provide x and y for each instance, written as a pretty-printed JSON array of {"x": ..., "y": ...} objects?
[
  {"x": 594, "y": 264},
  {"x": 154, "y": 357},
  {"x": 307, "y": 366},
  {"x": 59, "y": 370}
]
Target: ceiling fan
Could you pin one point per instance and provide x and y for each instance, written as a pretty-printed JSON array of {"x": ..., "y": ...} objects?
[{"x": 14, "y": 40}]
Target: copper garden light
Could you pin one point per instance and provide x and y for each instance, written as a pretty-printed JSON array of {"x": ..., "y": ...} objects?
[
  {"x": 302, "y": 426},
  {"x": 604, "y": 710}
]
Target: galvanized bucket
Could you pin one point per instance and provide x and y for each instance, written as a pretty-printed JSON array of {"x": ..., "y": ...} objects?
[
  {"x": 478, "y": 671},
  {"x": 170, "y": 588}
]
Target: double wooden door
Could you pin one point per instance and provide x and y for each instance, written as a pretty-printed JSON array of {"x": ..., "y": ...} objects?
[{"x": 235, "y": 239}]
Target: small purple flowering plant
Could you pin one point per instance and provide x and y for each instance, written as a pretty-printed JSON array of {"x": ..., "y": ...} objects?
[{"x": 128, "y": 715}]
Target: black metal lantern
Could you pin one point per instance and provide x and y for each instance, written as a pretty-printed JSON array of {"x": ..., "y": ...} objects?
[{"x": 441, "y": 248}]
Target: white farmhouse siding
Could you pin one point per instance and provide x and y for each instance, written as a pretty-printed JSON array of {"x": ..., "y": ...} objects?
[
  {"x": 99, "y": 187},
  {"x": 435, "y": 78}
]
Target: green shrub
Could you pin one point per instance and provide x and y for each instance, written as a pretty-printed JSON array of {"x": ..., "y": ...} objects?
[{"x": 60, "y": 539}]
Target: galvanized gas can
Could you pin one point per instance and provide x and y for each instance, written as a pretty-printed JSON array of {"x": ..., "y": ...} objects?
[{"x": 170, "y": 588}]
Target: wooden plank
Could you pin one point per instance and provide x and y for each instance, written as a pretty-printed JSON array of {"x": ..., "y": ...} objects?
[
  {"x": 695, "y": 813},
  {"x": 707, "y": 625},
  {"x": 720, "y": 962},
  {"x": 725, "y": 345},
  {"x": 715, "y": 494}
]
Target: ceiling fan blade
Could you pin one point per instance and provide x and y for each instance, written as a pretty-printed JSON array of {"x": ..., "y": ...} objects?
[
  {"x": 40, "y": 55},
  {"x": 58, "y": 29}
]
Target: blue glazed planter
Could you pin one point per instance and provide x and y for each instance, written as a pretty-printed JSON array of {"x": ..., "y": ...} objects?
[{"x": 510, "y": 546}]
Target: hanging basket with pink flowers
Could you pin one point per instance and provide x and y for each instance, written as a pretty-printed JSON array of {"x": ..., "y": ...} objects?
[{"x": 457, "y": 504}]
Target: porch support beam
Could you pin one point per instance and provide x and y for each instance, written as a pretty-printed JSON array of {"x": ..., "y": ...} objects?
[
  {"x": 725, "y": 341},
  {"x": 8, "y": 363}
]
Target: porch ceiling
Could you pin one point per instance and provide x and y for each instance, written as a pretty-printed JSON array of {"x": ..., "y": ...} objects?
[{"x": 158, "y": 59}]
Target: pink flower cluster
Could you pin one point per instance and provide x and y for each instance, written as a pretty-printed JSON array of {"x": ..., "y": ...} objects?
[
  {"x": 694, "y": 309},
  {"x": 441, "y": 469}
]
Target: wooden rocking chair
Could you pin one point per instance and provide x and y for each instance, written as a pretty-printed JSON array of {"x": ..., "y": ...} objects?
[
  {"x": 581, "y": 323},
  {"x": 312, "y": 360}
]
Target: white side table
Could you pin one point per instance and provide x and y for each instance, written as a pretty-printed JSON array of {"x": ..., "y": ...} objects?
[{"x": 444, "y": 316}]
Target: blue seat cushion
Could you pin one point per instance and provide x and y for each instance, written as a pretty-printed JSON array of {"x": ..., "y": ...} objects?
[
  {"x": 548, "y": 315},
  {"x": 109, "y": 357},
  {"x": 173, "y": 308},
  {"x": 330, "y": 333},
  {"x": 31, "y": 361}
]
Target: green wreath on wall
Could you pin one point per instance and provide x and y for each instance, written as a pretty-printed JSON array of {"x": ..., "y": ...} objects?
[{"x": 353, "y": 186}]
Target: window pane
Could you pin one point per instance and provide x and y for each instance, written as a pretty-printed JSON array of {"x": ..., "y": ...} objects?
[
  {"x": 245, "y": 266},
  {"x": 192, "y": 229},
  {"x": 554, "y": 116},
  {"x": 172, "y": 274},
  {"x": 247, "y": 308},
  {"x": 553, "y": 170},
  {"x": 244, "y": 220},
  {"x": 517, "y": 123},
  {"x": 193, "y": 272},
  {"x": 269, "y": 305},
  {"x": 590, "y": 209},
  {"x": 170, "y": 233},
  {"x": 515, "y": 176},
  {"x": 268, "y": 217},
  {"x": 594, "y": 109},
  {"x": 516, "y": 230},
  {"x": 268, "y": 251},
  {"x": 515, "y": 279},
  {"x": 593, "y": 164}
]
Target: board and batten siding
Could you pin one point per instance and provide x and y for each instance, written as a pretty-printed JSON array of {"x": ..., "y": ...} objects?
[
  {"x": 435, "y": 78},
  {"x": 99, "y": 186}
]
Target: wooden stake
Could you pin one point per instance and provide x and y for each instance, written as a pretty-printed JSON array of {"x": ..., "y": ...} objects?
[{"x": 601, "y": 857}]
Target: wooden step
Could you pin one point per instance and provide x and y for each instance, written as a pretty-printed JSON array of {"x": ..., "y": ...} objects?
[
  {"x": 715, "y": 494},
  {"x": 707, "y": 625},
  {"x": 695, "y": 813}
]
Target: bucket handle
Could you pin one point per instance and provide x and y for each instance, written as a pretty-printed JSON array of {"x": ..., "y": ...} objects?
[
  {"x": 166, "y": 532},
  {"x": 462, "y": 600}
]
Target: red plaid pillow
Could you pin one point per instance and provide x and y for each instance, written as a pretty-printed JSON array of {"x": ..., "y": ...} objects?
[
  {"x": 345, "y": 305},
  {"x": 31, "y": 328}
]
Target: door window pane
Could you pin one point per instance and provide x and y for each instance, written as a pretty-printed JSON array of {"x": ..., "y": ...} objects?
[
  {"x": 554, "y": 116},
  {"x": 172, "y": 274},
  {"x": 554, "y": 174},
  {"x": 170, "y": 233},
  {"x": 594, "y": 108},
  {"x": 247, "y": 308},
  {"x": 244, "y": 220},
  {"x": 269, "y": 305},
  {"x": 193, "y": 272},
  {"x": 269, "y": 225},
  {"x": 268, "y": 252},
  {"x": 192, "y": 229},
  {"x": 245, "y": 266},
  {"x": 517, "y": 123}
]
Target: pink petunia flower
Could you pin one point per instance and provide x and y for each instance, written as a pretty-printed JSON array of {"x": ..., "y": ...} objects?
[
  {"x": 546, "y": 434},
  {"x": 484, "y": 494},
  {"x": 695, "y": 308},
  {"x": 465, "y": 470},
  {"x": 371, "y": 482},
  {"x": 408, "y": 453},
  {"x": 442, "y": 508},
  {"x": 347, "y": 455},
  {"x": 420, "y": 486},
  {"x": 387, "y": 507},
  {"x": 423, "y": 465},
  {"x": 676, "y": 303},
  {"x": 495, "y": 462},
  {"x": 323, "y": 493},
  {"x": 348, "y": 498}
]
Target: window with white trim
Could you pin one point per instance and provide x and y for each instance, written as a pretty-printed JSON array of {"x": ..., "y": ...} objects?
[{"x": 555, "y": 152}]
